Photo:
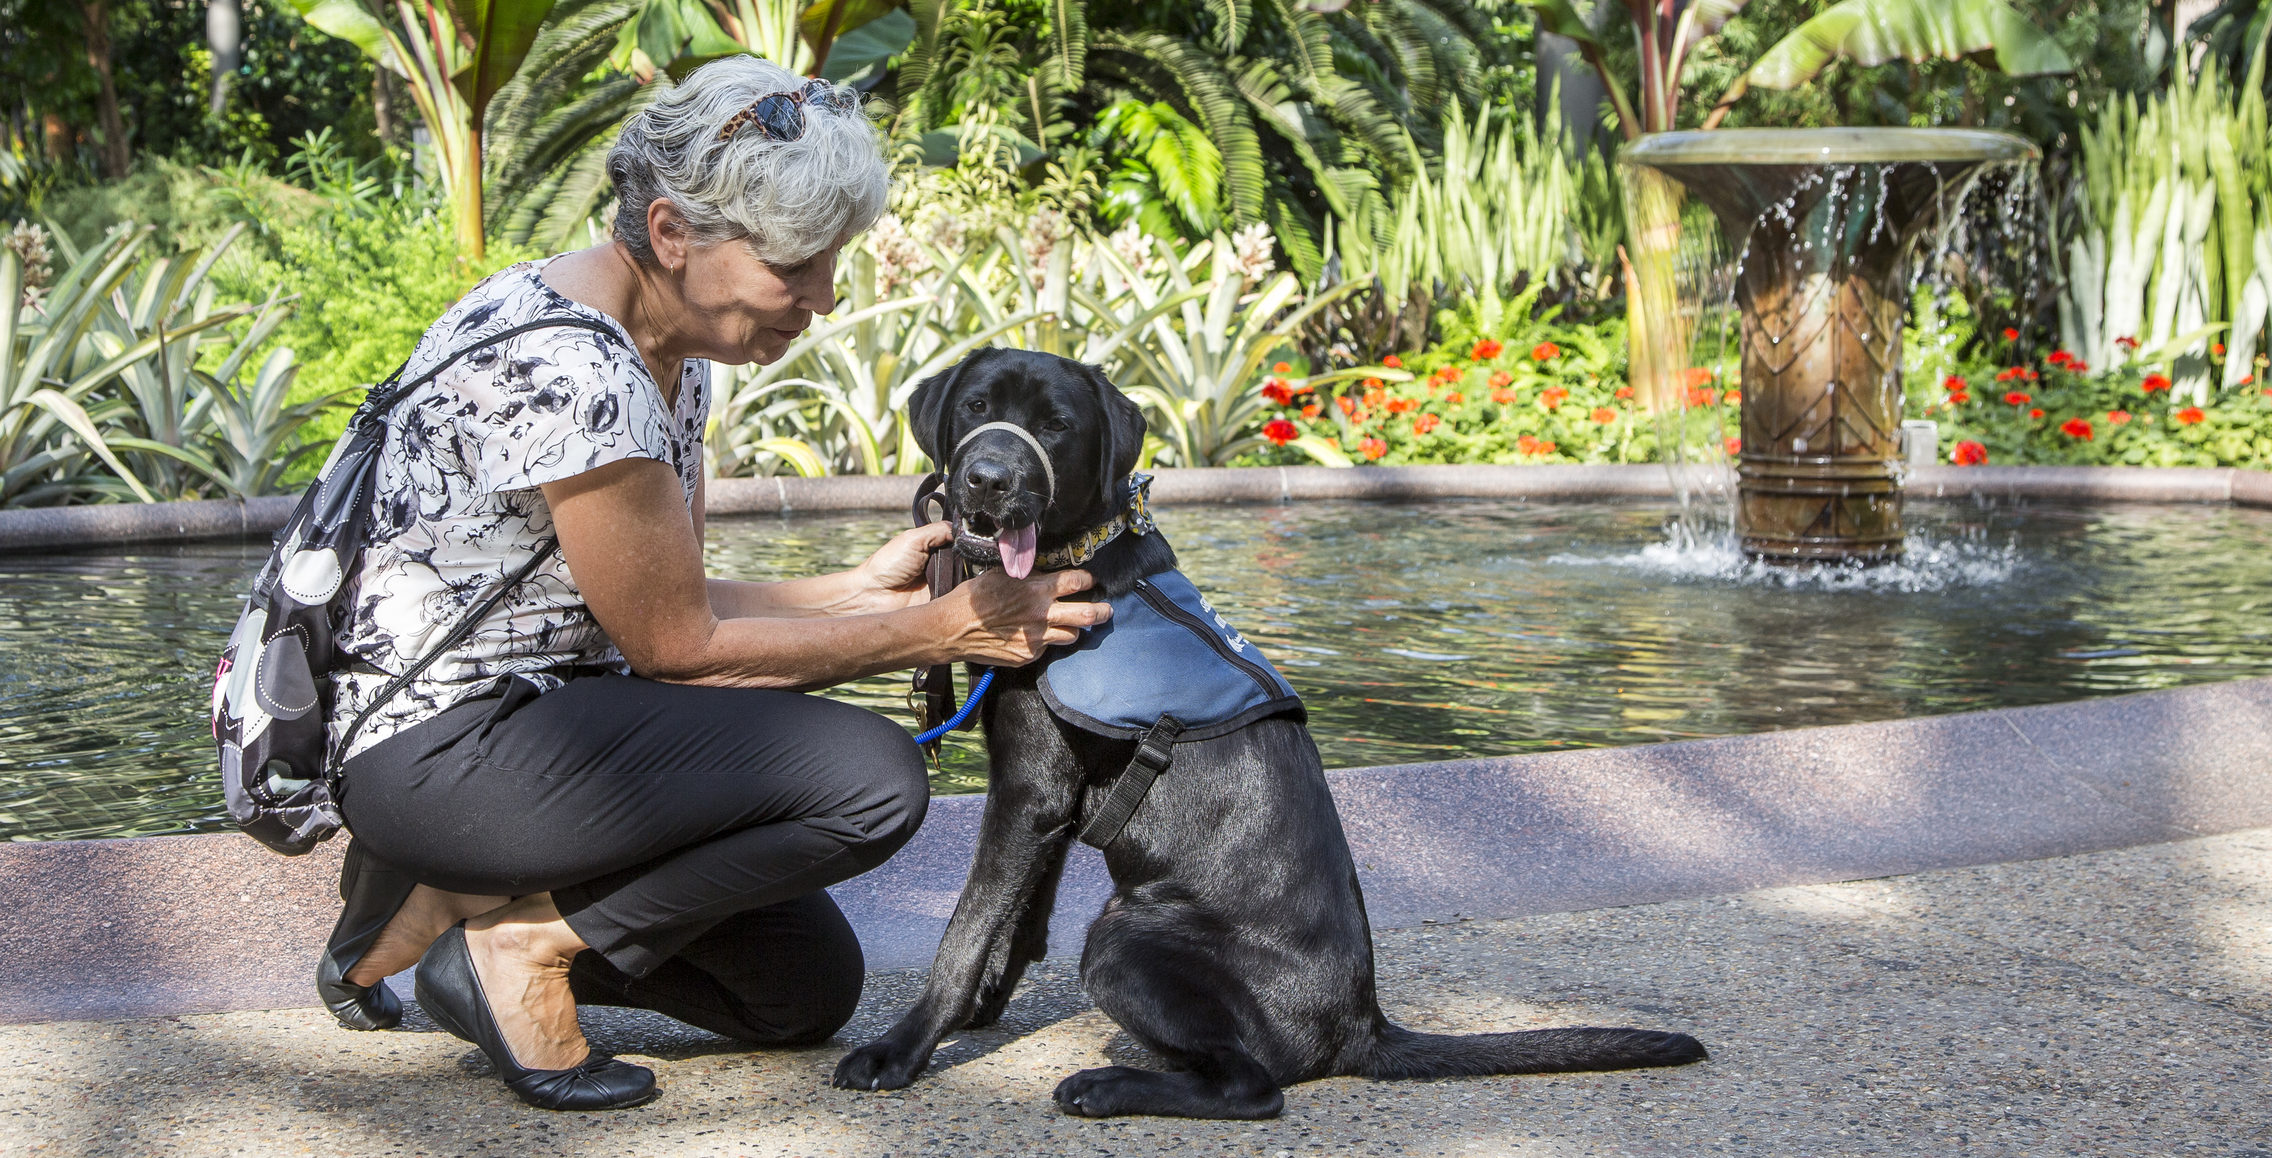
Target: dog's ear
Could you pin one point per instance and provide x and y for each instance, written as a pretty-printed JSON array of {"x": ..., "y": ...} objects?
[
  {"x": 1122, "y": 439},
  {"x": 927, "y": 408}
]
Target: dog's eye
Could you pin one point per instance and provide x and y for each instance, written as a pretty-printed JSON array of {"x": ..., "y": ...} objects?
[
  {"x": 977, "y": 406},
  {"x": 1056, "y": 425}
]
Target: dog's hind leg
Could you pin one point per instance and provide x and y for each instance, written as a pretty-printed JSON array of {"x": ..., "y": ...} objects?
[{"x": 1177, "y": 1004}]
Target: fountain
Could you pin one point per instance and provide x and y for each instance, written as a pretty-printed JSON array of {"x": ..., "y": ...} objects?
[{"x": 1823, "y": 221}]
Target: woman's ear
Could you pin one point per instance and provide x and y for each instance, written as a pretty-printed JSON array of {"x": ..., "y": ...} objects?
[
  {"x": 1122, "y": 439},
  {"x": 667, "y": 234}
]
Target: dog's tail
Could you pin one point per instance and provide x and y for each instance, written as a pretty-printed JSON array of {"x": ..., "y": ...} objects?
[{"x": 1400, "y": 1053}]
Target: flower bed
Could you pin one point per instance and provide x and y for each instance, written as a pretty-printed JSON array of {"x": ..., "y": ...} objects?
[{"x": 2059, "y": 411}]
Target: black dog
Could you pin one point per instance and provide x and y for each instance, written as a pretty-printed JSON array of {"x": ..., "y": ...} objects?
[{"x": 1235, "y": 945}]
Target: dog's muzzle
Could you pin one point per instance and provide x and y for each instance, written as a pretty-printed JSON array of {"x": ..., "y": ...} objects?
[{"x": 990, "y": 493}]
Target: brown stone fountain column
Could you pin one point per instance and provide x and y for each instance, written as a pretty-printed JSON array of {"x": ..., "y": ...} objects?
[{"x": 1822, "y": 221}]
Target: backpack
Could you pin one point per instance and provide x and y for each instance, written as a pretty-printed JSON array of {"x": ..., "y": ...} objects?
[{"x": 272, "y": 692}]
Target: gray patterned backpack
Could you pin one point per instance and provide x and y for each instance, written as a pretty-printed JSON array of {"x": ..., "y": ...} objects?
[{"x": 272, "y": 691}]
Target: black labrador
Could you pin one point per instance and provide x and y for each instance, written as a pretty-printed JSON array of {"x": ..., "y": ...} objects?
[{"x": 1235, "y": 945}]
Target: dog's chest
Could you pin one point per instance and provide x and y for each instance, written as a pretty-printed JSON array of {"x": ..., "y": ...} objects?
[{"x": 1165, "y": 651}]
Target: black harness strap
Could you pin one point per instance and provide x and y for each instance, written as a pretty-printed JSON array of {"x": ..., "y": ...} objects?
[{"x": 1153, "y": 754}]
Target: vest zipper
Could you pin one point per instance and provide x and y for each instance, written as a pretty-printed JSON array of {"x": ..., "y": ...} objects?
[{"x": 1175, "y": 611}]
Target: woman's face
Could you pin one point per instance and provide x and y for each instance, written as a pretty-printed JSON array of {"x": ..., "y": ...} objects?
[{"x": 740, "y": 309}]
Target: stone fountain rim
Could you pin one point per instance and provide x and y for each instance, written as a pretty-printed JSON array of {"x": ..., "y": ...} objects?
[{"x": 1833, "y": 146}]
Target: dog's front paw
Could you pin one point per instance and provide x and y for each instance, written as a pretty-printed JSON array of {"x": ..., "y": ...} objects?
[{"x": 880, "y": 1065}]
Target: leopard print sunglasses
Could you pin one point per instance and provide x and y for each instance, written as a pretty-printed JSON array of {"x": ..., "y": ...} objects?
[{"x": 781, "y": 116}]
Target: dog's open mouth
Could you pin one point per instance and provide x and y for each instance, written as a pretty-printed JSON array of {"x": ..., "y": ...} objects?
[{"x": 1014, "y": 547}]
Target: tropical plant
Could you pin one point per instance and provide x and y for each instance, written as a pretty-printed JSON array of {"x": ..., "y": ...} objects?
[
  {"x": 54, "y": 363},
  {"x": 2173, "y": 249},
  {"x": 455, "y": 55},
  {"x": 544, "y": 170}
]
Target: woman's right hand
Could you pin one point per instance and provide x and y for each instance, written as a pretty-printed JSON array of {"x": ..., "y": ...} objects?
[{"x": 994, "y": 619}]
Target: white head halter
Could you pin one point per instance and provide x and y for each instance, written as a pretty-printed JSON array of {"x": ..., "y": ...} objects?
[{"x": 1048, "y": 472}]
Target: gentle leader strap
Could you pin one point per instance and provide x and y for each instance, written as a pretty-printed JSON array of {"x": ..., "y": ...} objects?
[{"x": 1047, "y": 471}]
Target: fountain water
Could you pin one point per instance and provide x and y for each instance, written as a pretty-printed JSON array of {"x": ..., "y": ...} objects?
[{"x": 1823, "y": 222}]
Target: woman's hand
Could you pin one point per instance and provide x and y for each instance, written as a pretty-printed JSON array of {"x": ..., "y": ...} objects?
[
  {"x": 1010, "y": 622},
  {"x": 893, "y": 577}
]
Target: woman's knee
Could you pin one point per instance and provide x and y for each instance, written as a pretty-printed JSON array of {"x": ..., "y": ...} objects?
[{"x": 895, "y": 785}]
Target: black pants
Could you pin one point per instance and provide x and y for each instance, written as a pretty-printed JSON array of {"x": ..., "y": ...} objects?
[{"x": 685, "y": 833}]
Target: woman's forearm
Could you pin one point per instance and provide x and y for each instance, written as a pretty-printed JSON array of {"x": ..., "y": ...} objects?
[
  {"x": 815, "y": 650},
  {"x": 825, "y": 595}
]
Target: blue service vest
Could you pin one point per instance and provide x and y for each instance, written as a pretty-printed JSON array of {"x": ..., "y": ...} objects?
[{"x": 1164, "y": 652}]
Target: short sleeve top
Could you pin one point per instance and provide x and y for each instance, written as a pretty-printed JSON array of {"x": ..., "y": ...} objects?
[{"x": 456, "y": 509}]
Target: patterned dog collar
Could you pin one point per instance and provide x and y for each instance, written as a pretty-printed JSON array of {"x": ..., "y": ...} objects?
[{"x": 1136, "y": 519}]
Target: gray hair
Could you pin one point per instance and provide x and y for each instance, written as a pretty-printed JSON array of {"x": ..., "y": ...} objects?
[{"x": 788, "y": 199}]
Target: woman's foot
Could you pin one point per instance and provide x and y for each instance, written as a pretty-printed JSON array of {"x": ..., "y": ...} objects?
[
  {"x": 422, "y": 918},
  {"x": 521, "y": 954}
]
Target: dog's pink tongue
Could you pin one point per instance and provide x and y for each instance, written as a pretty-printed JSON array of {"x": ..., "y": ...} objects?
[{"x": 1016, "y": 548}]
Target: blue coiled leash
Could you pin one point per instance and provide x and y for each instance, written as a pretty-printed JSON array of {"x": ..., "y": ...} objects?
[{"x": 936, "y": 685}]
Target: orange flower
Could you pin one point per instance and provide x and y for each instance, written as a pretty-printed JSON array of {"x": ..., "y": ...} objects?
[
  {"x": 2153, "y": 382},
  {"x": 1552, "y": 396},
  {"x": 1375, "y": 396},
  {"x": 1733, "y": 397},
  {"x": 1502, "y": 396},
  {"x": 1311, "y": 410},
  {"x": 1546, "y": 446},
  {"x": 1735, "y": 446},
  {"x": 1624, "y": 392},
  {"x": 2015, "y": 398},
  {"x": 1372, "y": 448},
  {"x": 1394, "y": 363},
  {"x": 1698, "y": 376},
  {"x": 2076, "y": 428},
  {"x": 1281, "y": 368},
  {"x": 2117, "y": 417},
  {"x": 1526, "y": 445},
  {"x": 1347, "y": 404},
  {"x": 1501, "y": 378},
  {"x": 1604, "y": 415},
  {"x": 1485, "y": 350},
  {"x": 1455, "y": 397},
  {"x": 1277, "y": 392},
  {"x": 1702, "y": 397},
  {"x": 1279, "y": 431},
  {"x": 1400, "y": 405},
  {"x": 1371, "y": 383},
  {"x": 2189, "y": 416},
  {"x": 1425, "y": 423},
  {"x": 1969, "y": 453},
  {"x": 1544, "y": 351},
  {"x": 2217, "y": 348}
]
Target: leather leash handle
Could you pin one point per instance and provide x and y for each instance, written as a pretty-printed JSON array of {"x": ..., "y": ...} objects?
[{"x": 941, "y": 572}]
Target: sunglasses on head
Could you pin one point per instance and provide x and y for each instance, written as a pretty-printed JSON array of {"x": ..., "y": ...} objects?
[{"x": 781, "y": 116}]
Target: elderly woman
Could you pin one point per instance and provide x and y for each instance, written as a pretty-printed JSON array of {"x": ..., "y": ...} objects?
[{"x": 613, "y": 789}]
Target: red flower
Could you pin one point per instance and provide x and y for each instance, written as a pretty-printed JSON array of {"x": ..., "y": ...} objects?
[
  {"x": 1735, "y": 446},
  {"x": 1278, "y": 392},
  {"x": 2117, "y": 417},
  {"x": 1455, "y": 397},
  {"x": 2078, "y": 366},
  {"x": 2027, "y": 373},
  {"x": 2007, "y": 374},
  {"x": 2015, "y": 398},
  {"x": 1486, "y": 350},
  {"x": 1502, "y": 396},
  {"x": 1544, "y": 351},
  {"x": 2189, "y": 416},
  {"x": 1425, "y": 423},
  {"x": 1698, "y": 376},
  {"x": 2060, "y": 358},
  {"x": 1310, "y": 411},
  {"x": 2011, "y": 335},
  {"x": 1281, "y": 368},
  {"x": 2036, "y": 413},
  {"x": 1372, "y": 448},
  {"x": 1959, "y": 397},
  {"x": 1347, "y": 404},
  {"x": 1280, "y": 431},
  {"x": 1501, "y": 378},
  {"x": 2245, "y": 379},
  {"x": 2217, "y": 348},
  {"x": 1954, "y": 383},
  {"x": 1371, "y": 383},
  {"x": 1553, "y": 396},
  {"x": 1604, "y": 415},
  {"x": 1625, "y": 392},
  {"x": 2076, "y": 428},
  {"x": 1969, "y": 453},
  {"x": 2127, "y": 343},
  {"x": 2153, "y": 382},
  {"x": 1394, "y": 363}
]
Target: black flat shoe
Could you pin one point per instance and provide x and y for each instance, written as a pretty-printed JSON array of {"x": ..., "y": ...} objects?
[
  {"x": 370, "y": 894},
  {"x": 450, "y": 993}
]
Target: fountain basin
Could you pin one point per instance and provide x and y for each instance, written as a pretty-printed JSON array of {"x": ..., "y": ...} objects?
[{"x": 1823, "y": 222}]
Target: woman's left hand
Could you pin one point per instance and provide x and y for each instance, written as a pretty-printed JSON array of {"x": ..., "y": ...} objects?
[{"x": 892, "y": 578}]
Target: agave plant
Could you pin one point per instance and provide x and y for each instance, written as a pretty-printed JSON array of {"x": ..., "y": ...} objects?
[
  {"x": 55, "y": 361},
  {"x": 1199, "y": 378}
]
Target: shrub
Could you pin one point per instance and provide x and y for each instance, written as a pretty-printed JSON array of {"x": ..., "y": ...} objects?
[{"x": 2052, "y": 413}]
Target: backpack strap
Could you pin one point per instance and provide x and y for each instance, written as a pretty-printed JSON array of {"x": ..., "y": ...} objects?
[{"x": 385, "y": 396}]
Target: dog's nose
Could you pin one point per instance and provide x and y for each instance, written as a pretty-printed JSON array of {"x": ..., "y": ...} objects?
[{"x": 991, "y": 480}]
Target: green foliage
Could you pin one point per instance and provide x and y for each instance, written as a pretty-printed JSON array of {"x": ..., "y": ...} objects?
[
  {"x": 549, "y": 129},
  {"x": 2042, "y": 413}
]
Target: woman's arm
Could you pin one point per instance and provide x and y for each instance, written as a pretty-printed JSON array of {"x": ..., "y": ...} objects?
[{"x": 627, "y": 538}]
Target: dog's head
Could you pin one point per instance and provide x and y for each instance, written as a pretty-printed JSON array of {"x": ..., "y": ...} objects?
[{"x": 1035, "y": 450}]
